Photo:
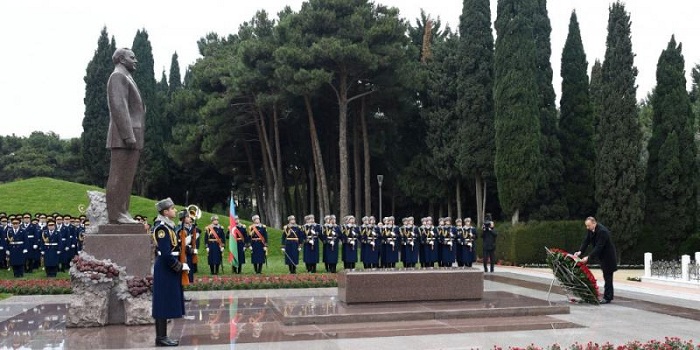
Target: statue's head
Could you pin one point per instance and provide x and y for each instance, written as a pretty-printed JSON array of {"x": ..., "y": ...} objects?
[{"x": 125, "y": 57}]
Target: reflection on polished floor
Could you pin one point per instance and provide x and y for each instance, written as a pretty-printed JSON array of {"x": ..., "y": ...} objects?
[{"x": 231, "y": 320}]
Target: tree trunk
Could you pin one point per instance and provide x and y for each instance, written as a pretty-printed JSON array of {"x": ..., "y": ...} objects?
[
  {"x": 343, "y": 145},
  {"x": 514, "y": 219},
  {"x": 324, "y": 202},
  {"x": 270, "y": 193},
  {"x": 254, "y": 176},
  {"x": 358, "y": 167},
  {"x": 365, "y": 147},
  {"x": 479, "y": 189},
  {"x": 458, "y": 196},
  {"x": 280, "y": 198},
  {"x": 311, "y": 187}
]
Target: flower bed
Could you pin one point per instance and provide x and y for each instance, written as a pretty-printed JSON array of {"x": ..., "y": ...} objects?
[
  {"x": 32, "y": 287},
  {"x": 573, "y": 275},
  {"x": 669, "y": 343},
  {"x": 263, "y": 282}
]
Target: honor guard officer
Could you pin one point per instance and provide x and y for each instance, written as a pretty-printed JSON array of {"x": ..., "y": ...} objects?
[
  {"x": 312, "y": 232},
  {"x": 447, "y": 243},
  {"x": 33, "y": 256},
  {"x": 331, "y": 240},
  {"x": 192, "y": 242},
  {"x": 3, "y": 243},
  {"x": 470, "y": 233},
  {"x": 370, "y": 244},
  {"x": 64, "y": 231},
  {"x": 351, "y": 242},
  {"x": 258, "y": 237},
  {"x": 168, "y": 294},
  {"x": 17, "y": 247},
  {"x": 363, "y": 226},
  {"x": 391, "y": 243},
  {"x": 51, "y": 248},
  {"x": 410, "y": 241},
  {"x": 216, "y": 241},
  {"x": 291, "y": 236},
  {"x": 429, "y": 243},
  {"x": 242, "y": 238},
  {"x": 461, "y": 243}
]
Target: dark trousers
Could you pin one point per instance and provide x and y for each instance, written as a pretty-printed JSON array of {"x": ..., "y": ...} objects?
[
  {"x": 51, "y": 271},
  {"x": 257, "y": 268},
  {"x": 489, "y": 254},
  {"x": 122, "y": 169},
  {"x": 608, "y": 292},
  {"x": 18, "y": 270},
  {"x": 237, "y": 269}
]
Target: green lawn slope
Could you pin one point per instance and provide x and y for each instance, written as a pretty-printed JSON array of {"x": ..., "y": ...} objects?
[{"x": 48, "y": 195}]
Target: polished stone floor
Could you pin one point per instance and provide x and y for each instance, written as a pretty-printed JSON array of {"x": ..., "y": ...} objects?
[{"x": 299, "y": 319}]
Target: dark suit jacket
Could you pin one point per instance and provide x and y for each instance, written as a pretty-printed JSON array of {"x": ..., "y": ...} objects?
[
  {"x": 489, "y": 239},
  {"x": 126, "y": 110},
  {"x": 603, "y": 247}
]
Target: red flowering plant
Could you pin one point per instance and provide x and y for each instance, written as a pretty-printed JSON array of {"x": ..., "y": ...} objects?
[
  {"x": 263, "y": 282},
  {"x": 670, "y": 343},
  {"x": 573, "y": 275},
  {"x": 35, "y": 286}
]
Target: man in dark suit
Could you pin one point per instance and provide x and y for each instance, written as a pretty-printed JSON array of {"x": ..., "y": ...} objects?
[
  {"x": 124, "y": 136},
  {"x": 488, "y": 236},
  {"x": 604, "y": 250}
]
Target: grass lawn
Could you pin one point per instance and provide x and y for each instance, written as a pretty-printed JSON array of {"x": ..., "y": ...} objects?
[{"x": 4, "y": 296}]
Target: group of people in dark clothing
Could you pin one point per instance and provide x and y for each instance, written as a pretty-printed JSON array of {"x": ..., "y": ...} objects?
[{"x": 31, "y": 242}]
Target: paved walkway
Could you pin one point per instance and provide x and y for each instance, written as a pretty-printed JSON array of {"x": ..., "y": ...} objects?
[{"x": 641, "y": 311}]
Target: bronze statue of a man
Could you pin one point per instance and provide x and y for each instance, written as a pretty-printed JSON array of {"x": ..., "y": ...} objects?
[{"x": 125, "y": 135}]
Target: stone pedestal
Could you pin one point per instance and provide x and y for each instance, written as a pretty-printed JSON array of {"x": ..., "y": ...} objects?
[
  {"x": 410, "y": 285},
  {"x": 127, "y": 245}
]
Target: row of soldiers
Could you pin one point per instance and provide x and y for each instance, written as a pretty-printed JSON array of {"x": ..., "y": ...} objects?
[{"x": 26, "y": 242}]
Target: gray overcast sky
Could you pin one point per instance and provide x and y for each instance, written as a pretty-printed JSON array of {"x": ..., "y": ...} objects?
[{"x": 47, "y": 44}]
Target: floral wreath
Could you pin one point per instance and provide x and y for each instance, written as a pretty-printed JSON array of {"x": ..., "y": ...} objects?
[{"x": 573, "y": 275}]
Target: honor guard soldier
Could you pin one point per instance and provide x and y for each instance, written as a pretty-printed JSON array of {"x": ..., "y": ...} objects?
[
  {"x": 66, "y": 241},
  {"x": 51, "y": 248},
  {"x": 192, "y": 241},
  {"x": 429, "y": 243},
  {"x": 168, "y": 268},
  {"x": 363, "y": 226},
  {"x": 3, "y": 242},
  {"x": 461, "y": 243},
  {"x": 470, "y": 238},
  {"x": 242, "y": 241},
  {"x": 68, "y": 222},
  {"x": 17, "y": 247},
  {"x": 258, "y": 237},
  {"x": 331, "y": 240},
  {"x": 351, "y": 242},
  {"x": 80, "y": 235},
  {"x": 291, "y": 236},
  {"x": 216, "y": 241},
  {"x": 33, "y": 239},
  {"x": 312, "y": 232},
  {"x": 410, "y": 241},
  {"x": 447, "y": 243},
  {"x": 370, "y": 244},
  {"x": 390, "y": 243},
  {"x": 402, "y": 256}
]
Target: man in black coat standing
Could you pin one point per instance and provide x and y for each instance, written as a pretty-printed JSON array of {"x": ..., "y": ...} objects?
[
  {"x": 604, "y": 250},
  {"x": 488, "y": 236}
]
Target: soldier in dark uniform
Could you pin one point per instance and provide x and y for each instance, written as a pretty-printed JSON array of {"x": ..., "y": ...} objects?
[
  {"x": 33, "y": 256},
  {"x": 66, "y": 241},
  {"x": 331, "y": 243},
  {"x": 4, "y": 252},
  {"x": 17, "y": 247},
  {"x": 391, "y": 242},
  {"x": 51, "y": 248},
  {"x": 429, "y": 243},
  {"x": 258, "y": 237},
  {"x": 410, "y": 242},
  {"x": 291, "y": 236},
  {"x": 168, "y": 294},
  {"x": 350, "y": 236},
  {"x": 216, "y": 241},
  {"x": 470, "y": 236},
  {"x": 312, "y": 231},
  {"x": 447, "y": 243},
  {"x": 242, "y": 241},
  {"x": 82, "y": 227},
  {"x": 370, "y": 244},
  {"x": 192, "y": 244}
]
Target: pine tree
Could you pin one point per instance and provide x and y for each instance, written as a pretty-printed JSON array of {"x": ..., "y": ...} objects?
[
  {"x": 596, "y": 93},
  {"x": 95, "y": 155},
  {"x": 550, "y": 201},
  {"x": 162, "y": 86},
  {"x": 475, "y": 100},
  {"x": 174, "y": 78},
  {"x": 619, "y": 174},
  {"x": 671, "y": 170},
  {"x": 518, "y": 156},
  {"x": 576, "y": 126},
  {"x": 152, "y": 169}
]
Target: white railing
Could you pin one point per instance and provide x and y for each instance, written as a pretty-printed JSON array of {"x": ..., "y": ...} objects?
[{"x": 685, "y": 271}]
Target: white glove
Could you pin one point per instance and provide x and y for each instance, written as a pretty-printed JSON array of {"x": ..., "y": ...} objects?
[
  {"x": 72, "y": 245},
  {"x": 283, "y": 249},
  {"x": 67, "y": 248},
  {"x": 265, "y": 248},
  {"x": 35, "y": 246},
  {"x": 7, "y": 252},
  {"x": 392, "y": 243},
  {"x": 411, "y": 243},
  {"x": 449, "y": 243},
  {"x": 431, "y": 243},
  {"x": 58, "y": 252},
  {"x": 222, "y": 249},
  {"x": 24, "y": 251},
  {"x": 312, "y": 242},
  {"x": 207, "y": 249},
  {"x": 188, "y": 240},
  {"x": 195, "y": 251},
  {"x": 352, "y": 242},
  {"x": 299, "y": 249},
  {"x": 42, "y": 253},
  {"x": 332, "y": 242},
  {"x": 185, "y": 267},
  {"x": 372, "y": 243}
]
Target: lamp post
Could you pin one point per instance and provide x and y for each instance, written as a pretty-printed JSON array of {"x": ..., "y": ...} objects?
[{"x": 380, "y": 179}]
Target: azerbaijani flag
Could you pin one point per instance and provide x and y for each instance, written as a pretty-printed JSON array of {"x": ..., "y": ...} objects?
[
  {"x": 232, "y": 243},
  {"x": 233, "y": 321}
]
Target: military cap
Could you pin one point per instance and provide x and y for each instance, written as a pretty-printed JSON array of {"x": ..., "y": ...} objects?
[
  {"x": 26, "y": 216},
  {"x": 87, "y": 223},
  {"x": 82, "y": 217},
  {"x": 67, "y": 216},
  {"x": 458, "y": 220},
  {"x": 15, "y": 220},
  {"x": 55, "y": 214},
  {"x": 3, "y": 214},
  {"x": 164, "y": 204},
  {"x": 35, "y": 220},
  {"x": 214, "y": 217},
  {"x": 291, "y": 217},
  {"x": 50, "y": 221},
  {"x": 138, "y": 217},
  {"x": 42, "y": 216},
  {"x": 256, "y": 216}
]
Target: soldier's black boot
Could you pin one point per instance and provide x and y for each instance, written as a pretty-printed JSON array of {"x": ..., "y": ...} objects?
[{"x": 162, "y": 334}]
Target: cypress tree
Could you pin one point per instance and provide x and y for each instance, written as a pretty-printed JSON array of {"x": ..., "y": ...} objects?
[
  {"x": 475, "y": 101},
  {"x": 576, "y": 125},
  {"x": 671, "y": 170},
  {"x": 549, "y": 203},
  {"x": 95, "y": 155},
  {"x": 596, "y": 92},
  {"x": 619, "y": 174},
  {"x": 174, "y": 78},
  {"x": 163, "y": 83},
  {"x": 152, "y": 171},
  {"x": 518, "y": 157}
]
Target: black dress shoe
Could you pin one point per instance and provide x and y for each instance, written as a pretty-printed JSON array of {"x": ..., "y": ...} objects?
[
  {"x": 165, "y": 341},
  {"x": 187, "y": 300},
  {"x": 605, "y": 301}
]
